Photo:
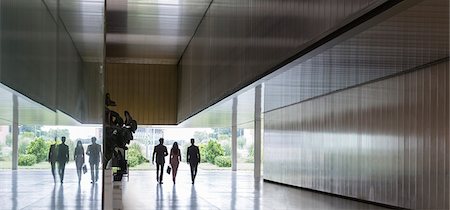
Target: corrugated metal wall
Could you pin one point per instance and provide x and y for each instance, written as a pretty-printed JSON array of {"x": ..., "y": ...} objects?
[
  {"x": 239, "y": 40},
  {"x": 38, "y": 59},
  {"x": 148, "y": 92},
  {"x": 411, "y": 38},
  {"x": 29, "y": 50},
  {"x": 386, "y": 141}
]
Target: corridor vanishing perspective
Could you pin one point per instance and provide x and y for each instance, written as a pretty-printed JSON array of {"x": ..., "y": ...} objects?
[{"x": 288, "y": 104}]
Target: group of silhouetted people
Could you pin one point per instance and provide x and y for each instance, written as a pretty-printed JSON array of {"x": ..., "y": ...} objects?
[
  {"x": 59, "y": 154},
  {"x": 160, "y": 151}
]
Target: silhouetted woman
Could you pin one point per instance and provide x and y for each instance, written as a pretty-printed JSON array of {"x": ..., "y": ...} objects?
[
  {"x": 175, "y": 158},
  {"x": 78, "y": 156}
]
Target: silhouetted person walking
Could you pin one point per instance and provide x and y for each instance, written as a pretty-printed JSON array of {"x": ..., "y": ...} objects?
[
  {"x": 63, "y": 157},
  {"x": 52, "y": 157},
  {"x": 78, "y": 156},
  {"x": 175, "y": 158},
  {"x": 95, "y": 152},
  {"x": 161, "y": 152},
  {"x": 193, "y": 158}
]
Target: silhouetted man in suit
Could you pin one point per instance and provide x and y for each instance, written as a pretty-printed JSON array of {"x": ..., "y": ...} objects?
[
  {"x": 193, "y": 158},
  {"x": 52, "y": 157},
  {"x": 161, "y": 152},
  {"x": 63, "y": 157},
  {"x": 95, "y": 152}
]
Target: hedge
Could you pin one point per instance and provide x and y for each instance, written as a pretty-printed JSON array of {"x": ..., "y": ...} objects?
[
  {"x": 222, "y": 161},
  {"x": 27, "y": 160}
]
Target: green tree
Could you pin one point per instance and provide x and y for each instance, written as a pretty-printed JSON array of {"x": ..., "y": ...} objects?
[
  {"x": 8, "y": 140},
  {"x": 202, "y": 148},
  {"x": 39, "y": 148},
  {"x": 27, "y": 160},
  {"x": 58, "y": 133},
  {"x": 212, "y": 150},
  {"x": 23, "y": 147},
  {"x": 135, "y": 156},
  {"x": 201, "y": 136},
  {"x": 226, "y": 148},
  {"x": 241, "y": 141},
  {"x": 222, "y": 161}
]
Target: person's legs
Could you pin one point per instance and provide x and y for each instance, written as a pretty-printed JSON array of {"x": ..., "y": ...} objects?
[
  {"x": 79, "y": 173},
  {"x": 61, "y": 168},
  {"x": 174, "y": 171},
  {"x": 92, "y": 172},
  {"x": 161, "y": 173},
  {"x": 96, "y": 171},
  {"x": 157, "y": 172},
  {"x": 195, "y": 171},
  {"x": 192, "y": 172},
  {"x": 53, "y": 170}
]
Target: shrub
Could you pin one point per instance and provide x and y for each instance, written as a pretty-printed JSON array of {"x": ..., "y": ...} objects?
[
  {"x": 241, "y": 141},
  {"x": 27, "y": 160},
  {"x": 39, "y": 148},
  {"x": 23, "y": 147},
  {"x": 135, "y": 156},
  {"x": 212, "y": 150},
  {"x": 222, "y": 161},
  {"x": 226, "y": 148},
  {"x": 202, "y": 148}
]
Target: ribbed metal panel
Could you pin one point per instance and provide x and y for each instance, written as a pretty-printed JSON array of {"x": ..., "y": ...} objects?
[
  {"x": 29, "y": 50},
  {"x": 40, "y": 60},
  {"x": 238, "y": 40},
  {"x": 385, "y": 142},
  {"x": 148, "y": 92},
  {"x": 412, "y": 37}
]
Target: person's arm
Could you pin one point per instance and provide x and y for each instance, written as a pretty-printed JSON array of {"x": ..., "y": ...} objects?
[
  {"x": 67, "y": 154},
  {"x": 165, "y": 151},
  {"x": 153, "y": 156},
  {"x": 75, "y": 154},
  {"x": 187, "y": 155},
  {"x": 50, "y": 154},
  {"x": 179, "y": 154},
  {"x": 88, "y": 151}
]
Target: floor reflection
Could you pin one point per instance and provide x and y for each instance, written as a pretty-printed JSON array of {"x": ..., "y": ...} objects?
[
  {"x": 225, "y": 190},
  {"x": 36, "y": 189},
  {"x": 174, "y": 198}
]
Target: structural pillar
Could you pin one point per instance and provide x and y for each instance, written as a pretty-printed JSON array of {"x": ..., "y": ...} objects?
[
  {"x": 15, "y": 133},
  {"x": 257, "y": 134},
  {"x": 234, "y": 136}
]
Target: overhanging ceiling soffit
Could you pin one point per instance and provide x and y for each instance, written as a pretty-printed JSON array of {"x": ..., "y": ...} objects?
[{"x": 151, "y": 31}]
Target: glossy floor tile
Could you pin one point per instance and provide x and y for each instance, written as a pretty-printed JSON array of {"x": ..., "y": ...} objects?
[
  {"x": 223, "y": 190},
  {"x": 35, "y": 189}
]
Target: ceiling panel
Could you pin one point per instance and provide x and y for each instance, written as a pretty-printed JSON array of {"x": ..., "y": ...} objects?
[
  {"x": 151, "y": 31},
  {"x": 84, "y": 20}
]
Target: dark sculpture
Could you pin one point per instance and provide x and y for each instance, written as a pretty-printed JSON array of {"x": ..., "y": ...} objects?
[{"x": 118, "y": 133}]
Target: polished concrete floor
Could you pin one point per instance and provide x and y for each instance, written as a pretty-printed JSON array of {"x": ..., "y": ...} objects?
[
  {"x": 223, "y": 190},
  {"x": 35, "y": 189}
]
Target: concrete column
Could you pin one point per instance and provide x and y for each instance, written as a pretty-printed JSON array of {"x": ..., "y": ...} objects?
[
  {"x": 234, "y": 136},
  {"x": 15, "y": 133},
  {"x": 257, "y": 134}
]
